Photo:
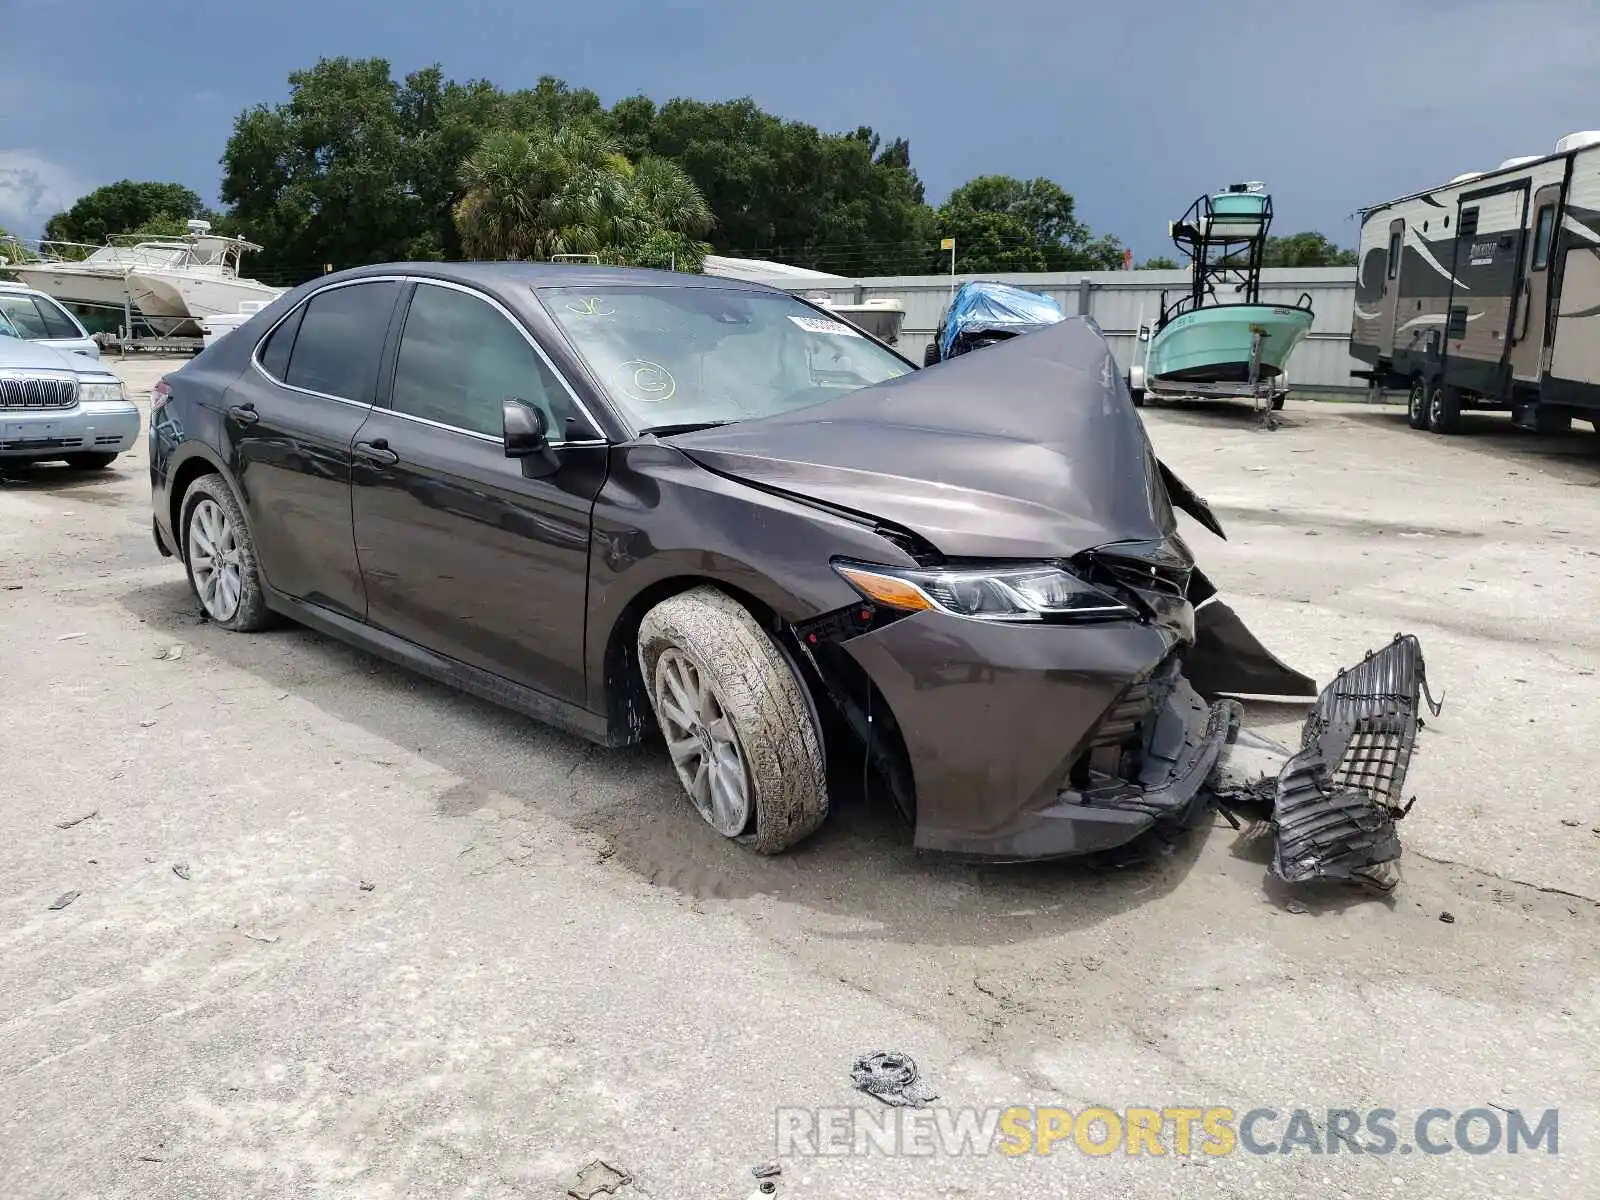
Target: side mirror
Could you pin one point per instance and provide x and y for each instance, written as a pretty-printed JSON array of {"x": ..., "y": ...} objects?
[{"x": 526, "y": 432}]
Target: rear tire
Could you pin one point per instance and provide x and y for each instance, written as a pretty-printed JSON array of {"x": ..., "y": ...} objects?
[
  {"x": 220, "y": 558},
  {"x": 1137, "y": 395},
  {"x": 1444, "y": 409},
  {"x": 737, "y": 720},
  {"x": 1417, "y": 405},
  {"x": 90, "y": 461},
  {"x": 1277, "y": 401}
]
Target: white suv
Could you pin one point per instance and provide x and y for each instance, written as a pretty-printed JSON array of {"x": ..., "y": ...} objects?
[{"x": 37, "y": 318}]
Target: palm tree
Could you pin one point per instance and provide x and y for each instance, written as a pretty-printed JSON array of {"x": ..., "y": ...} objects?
[
  {"x": 669, "y": 198},
  {"x": 572, "y": 191}
]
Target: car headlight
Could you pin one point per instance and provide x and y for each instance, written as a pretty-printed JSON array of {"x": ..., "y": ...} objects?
[
  {"x": 102, "y": 391},
  {"x": 999, "y": 592}
]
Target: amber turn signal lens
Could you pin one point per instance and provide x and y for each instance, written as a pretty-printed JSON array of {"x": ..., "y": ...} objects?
[{"x": 887, "y": 590}]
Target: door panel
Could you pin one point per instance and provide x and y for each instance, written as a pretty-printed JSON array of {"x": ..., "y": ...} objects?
[
  {"x": 1394, "y": 262},
  {"x": 1533, "y": 306},
  {"x": 291, "y": 447},
  {"x": 1486, "y": 262},
  {"x": 462, "y": 554},
  {"x": 462, "y": 550}
]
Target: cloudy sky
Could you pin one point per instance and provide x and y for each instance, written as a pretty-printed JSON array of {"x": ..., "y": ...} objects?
[{"x": 1135, "y": 106}]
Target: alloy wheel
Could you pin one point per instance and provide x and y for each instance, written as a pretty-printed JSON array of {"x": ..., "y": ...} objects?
[
  {"x": 702, "y": 742},
  {"x": 215, "y": 560}
]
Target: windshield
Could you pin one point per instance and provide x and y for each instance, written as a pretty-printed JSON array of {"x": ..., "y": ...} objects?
[{"x": 671, "y": 357}]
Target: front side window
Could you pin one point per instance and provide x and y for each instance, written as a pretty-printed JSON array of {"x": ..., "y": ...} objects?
[
  {"x": 1543, "y": 233},
  {"x": 690, "y": 356},
  {"x": 24, "y": 316},
  {"x": 461, "y": 359},
  {"x": 340, "y": 341}
]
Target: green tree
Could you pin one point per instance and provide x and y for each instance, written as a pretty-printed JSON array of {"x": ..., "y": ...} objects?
[
  {"x": 121, "y": 208},
  {"x": 1046, "y": 211},
  {"x": 1159, "y": 263},
  {"x": 987, "y": 241},
  {"x": 571, "y": 190},
  {"x": 1305, "y": 250},
  {"x": 836, "y": 202},
  {"x": 13, "y": 250},
  {"x": 342, "y": 173}
]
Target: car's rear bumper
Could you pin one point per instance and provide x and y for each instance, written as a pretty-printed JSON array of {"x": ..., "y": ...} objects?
[
  {"x": 1038, "y": 741},
  {"x": 87, "y": 428}
]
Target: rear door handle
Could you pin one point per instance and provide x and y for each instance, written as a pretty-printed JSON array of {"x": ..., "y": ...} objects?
[
  {"x": 377, "y": 452},
  {"x": 245, "y": 414}
]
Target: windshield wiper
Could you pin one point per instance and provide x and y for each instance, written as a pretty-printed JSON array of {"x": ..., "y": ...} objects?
[{"x": 685, "y": 427}]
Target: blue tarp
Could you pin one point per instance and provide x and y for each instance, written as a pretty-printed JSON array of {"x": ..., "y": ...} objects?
[{"x": 982, "y": 307}]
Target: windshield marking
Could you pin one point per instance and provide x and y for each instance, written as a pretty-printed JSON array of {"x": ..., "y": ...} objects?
[
  {"x": 594, "y": 306},
  {"x": 644, "y": 382}
]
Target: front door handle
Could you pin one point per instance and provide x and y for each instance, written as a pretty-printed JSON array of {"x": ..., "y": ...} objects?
[
  {"x": 377, "y": 452},
  {"x": 245, "y": 414}
]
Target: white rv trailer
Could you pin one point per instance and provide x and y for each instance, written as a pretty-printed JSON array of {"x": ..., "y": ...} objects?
[{"x": 1484, "y": 293}]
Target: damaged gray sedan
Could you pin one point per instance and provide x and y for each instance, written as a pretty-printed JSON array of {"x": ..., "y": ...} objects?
[{"x": 632, "y": 503}]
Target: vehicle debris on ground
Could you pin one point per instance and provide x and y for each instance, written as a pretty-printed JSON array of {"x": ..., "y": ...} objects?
[{"x": 892, "y": 1078}]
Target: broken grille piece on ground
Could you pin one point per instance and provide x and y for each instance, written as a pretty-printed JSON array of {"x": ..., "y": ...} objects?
[{"x": 1338, "y": 798}]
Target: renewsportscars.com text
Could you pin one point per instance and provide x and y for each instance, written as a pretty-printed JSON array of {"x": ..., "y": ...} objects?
[{"x": 1180, "y": 1131}]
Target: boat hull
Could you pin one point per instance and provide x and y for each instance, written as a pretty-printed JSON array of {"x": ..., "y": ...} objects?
[
  {"x": 176, "y": 303},
  {"x": 1213, "y": 344},
  {"x": 73, "y": 285}
]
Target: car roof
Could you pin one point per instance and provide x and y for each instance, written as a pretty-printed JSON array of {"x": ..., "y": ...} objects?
[{"x": 495, "y": 275}]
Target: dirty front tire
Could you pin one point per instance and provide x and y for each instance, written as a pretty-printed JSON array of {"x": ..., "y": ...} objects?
[
  {"x": 757, "y": 693},
  {"x": 90, "y": 462},
  {"x": 207, "y": 497},
  {"x": 1417, "y": 405},
  {"x": 1444, "y": 409}
]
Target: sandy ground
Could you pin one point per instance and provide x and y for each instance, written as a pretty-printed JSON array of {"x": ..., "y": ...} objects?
[{"x": 556, "y": 960}]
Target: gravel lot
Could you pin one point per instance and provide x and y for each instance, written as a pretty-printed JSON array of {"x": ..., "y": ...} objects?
[{"x": 556, "y": 960}]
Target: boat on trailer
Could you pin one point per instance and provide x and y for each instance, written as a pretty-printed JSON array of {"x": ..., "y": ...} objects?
[{"x": 1204, "y": 346}]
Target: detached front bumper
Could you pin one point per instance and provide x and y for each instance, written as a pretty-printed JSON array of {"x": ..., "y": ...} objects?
[{"x": 90, "y": 427}]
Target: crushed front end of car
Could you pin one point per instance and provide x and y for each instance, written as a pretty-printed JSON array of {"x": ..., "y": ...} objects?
[{"x": 1035, "y": 663}]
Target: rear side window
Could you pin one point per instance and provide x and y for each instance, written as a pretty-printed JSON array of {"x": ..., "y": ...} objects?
[
  {"x": 1543, "y": 233},
  {"x": 1468, "y": 225},
  {"x": 275, "y": 350},
  {"x": 56, "y": 322},
  {"x": 340, "y": 341},
  {"x": 1395, "y": 241}
]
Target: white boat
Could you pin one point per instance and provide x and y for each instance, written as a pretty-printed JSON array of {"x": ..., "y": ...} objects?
[
  {"x": 173, "y": 283},
  {"x": 193, "y": 293}
]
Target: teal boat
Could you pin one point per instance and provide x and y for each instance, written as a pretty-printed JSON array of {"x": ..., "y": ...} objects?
[{"x": 1205, "y": 344}]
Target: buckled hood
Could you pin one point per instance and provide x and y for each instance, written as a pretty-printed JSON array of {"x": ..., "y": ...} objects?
[{"x": 1030, "y": 449}]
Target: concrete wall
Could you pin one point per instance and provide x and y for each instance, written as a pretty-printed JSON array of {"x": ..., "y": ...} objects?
[{"x": 1116, "y": 299}]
